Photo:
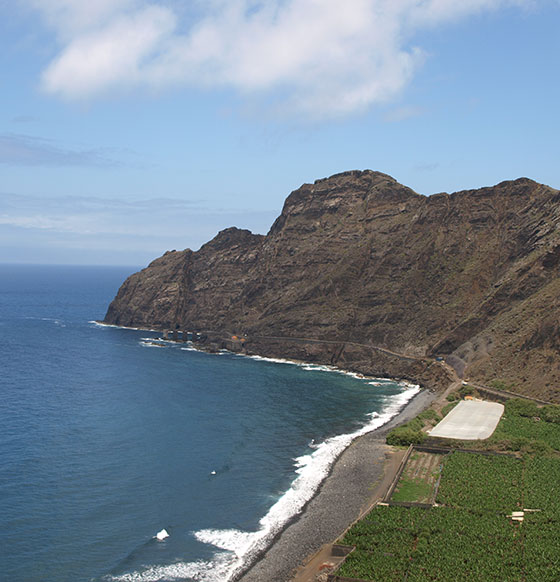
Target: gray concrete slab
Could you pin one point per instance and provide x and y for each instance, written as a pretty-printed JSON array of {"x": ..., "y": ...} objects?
[{"x": 470, "y": 420}]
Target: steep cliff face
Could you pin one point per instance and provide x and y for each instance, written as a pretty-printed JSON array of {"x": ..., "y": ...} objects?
[{"x": 360, "y": 258}]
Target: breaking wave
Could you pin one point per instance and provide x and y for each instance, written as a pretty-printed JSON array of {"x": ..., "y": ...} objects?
[
  {"x": 101, "y": 324},
  {"x": 151, "y": 344},
  {"x": 238, "y": 549}
]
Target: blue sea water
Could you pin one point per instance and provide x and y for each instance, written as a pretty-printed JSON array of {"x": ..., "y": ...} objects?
[{"x": 106, "y": 439}]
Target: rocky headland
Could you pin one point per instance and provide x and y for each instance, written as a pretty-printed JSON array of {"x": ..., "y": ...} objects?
[{"x": 362, "y": 272}]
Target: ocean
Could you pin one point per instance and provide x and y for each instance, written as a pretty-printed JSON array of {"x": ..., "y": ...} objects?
[{"x": 107, "y": 439}]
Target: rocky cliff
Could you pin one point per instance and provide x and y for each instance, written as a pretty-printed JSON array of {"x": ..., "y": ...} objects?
[{"x": 359, "y": 260}]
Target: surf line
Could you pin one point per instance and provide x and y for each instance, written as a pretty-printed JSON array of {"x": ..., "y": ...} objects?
[{"x": 239, "y": 549}]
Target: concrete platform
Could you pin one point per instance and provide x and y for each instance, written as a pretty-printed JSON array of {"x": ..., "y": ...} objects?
[{"x": 470, "y": 420}]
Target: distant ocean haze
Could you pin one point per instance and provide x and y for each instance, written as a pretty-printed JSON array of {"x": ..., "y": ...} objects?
[{"x": 106, "y": 439}]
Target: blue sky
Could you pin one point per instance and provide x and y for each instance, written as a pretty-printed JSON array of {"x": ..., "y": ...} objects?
[{"x": 131, "y": 127}]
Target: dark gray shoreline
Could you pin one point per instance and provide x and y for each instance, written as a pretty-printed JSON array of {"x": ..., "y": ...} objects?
[
  {"x": 343, "y": 495},
  {"x": 340, "y": 499}
]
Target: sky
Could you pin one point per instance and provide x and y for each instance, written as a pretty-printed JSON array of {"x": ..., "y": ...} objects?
[{"x": 132, "y": 127}]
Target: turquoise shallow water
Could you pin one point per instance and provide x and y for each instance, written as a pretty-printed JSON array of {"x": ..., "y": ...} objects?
[{"x": 106, "y": 440}]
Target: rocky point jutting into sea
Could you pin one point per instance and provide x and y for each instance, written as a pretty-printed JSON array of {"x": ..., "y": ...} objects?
[{"x": 358, "y": 262}]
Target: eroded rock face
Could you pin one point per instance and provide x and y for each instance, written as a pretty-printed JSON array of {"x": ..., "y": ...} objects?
[{"x": 359, "y": 257}]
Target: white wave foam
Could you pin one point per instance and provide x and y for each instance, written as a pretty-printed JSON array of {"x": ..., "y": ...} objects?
[
  {"x": 237, "y": 548},
  {"x": 408, "y": 384},
  {"x": 160, "y": 340},
  {"x": 311, "y": 470},
  {"x": 101, "y": 324},
  {"x": 151, "y": 344},
  {"x": 310, "y": 367},
  {"x": 213, "y": 571},
  {"x": 307, "y": 366},
  {"x": 318, "y": 368},
  {"x": 273, "y": 360},
  {"x": 314, "y": 367},
  {"x": 325, "y": 368}
]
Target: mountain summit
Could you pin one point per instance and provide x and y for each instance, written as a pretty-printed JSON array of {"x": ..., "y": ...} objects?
[{"x": 358, "y": 259}]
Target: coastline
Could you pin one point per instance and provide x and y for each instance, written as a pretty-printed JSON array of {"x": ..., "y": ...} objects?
[
  {"x": 343, "y": 356},
  {"x": 351, "y": 487}
]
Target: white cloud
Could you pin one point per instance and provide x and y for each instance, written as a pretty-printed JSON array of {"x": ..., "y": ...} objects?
[
  {"x": 111, "y": 56},
  {"x": 316, "y": 57}
]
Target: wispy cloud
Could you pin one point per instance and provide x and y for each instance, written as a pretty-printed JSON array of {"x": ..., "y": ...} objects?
[
  {"x": 187, "y": 221},
  {"x": 90, "y": 215},
  {"x": 26, "y": 150},
  {"x": 82, "y": 230},
  {"x": 316, "y": 57}
]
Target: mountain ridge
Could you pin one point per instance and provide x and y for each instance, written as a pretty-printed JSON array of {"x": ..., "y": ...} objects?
[{"x": 472, "y": 276}]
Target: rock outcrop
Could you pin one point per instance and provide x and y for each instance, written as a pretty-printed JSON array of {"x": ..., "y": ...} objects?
[{"x": 359, "y": 260}]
